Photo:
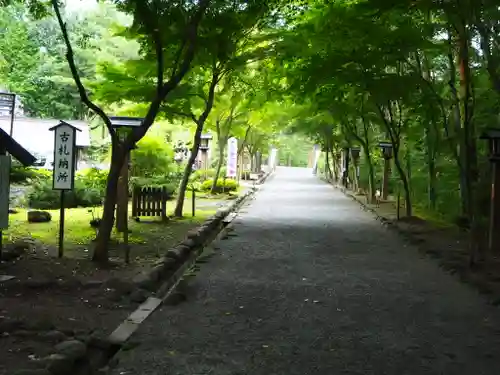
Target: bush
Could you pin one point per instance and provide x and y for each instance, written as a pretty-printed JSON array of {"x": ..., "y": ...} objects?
[
  {"x": 24, "y": 175},
  {"x": 93, "y": 178},
  {"x": 43, "y": 197},
  {"x": 199, "y": 175},
  {"x": 152, "y": 157},
  {"x": 221, "y": 186}
]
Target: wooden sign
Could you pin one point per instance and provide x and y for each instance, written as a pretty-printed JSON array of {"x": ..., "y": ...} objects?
[
  {"x": 4, "y": 191},
  {"x": 64, "y": 156},
  {"x": 64, "y": 168}
]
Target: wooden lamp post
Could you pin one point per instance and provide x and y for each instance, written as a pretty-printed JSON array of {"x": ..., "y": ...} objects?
[
  {"x": 355, "y": 153},
  {"x": 345, "y": 167},
  {"x": 386, "y": 148},
  {"x": 493, "y": 138}
]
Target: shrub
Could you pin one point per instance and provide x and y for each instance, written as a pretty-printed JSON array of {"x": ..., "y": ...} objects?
[
  {"x": 93, "y": 178},
  {"x": 221, "y": 186},
  {"x": 199, "y": 175},
  {"x": 24, "y": 175},
  {"x": 152, "y": 157},
  {"x": 43, "y": 197}
]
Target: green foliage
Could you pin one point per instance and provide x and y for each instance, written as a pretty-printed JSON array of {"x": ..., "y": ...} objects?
[
  {"x": 33, "y": 62},
  {"x": 152, "y": 157},
  {"x": 223, "y": 185},
  {"x": 24, "y": 175},
  {"x": 42, "y": 196},
  {"x": 201, "y": 175},
  {"x": 93, "y": 178},
  {"x": 88, "y": 191},
  {"x": 170, "y": 181}
]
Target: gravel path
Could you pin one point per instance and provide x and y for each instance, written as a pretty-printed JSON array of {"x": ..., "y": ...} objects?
[{"x": 311, "y": 284}]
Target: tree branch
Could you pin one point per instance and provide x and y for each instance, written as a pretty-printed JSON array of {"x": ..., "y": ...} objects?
[
  {"x": 74, "y": 72},
  {"x": 159, "y": 60},
  {"x": 175, "y": 78},
  {"x": 180, "y": 113}
]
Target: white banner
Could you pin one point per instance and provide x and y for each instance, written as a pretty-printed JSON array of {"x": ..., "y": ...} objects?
[
  {"x": 272, "y": 158},
  {"x": 232, "y": 157}
]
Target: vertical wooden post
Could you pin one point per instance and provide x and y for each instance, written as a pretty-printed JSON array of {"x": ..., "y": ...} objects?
[
  {"x": 61, "y": 226},
  {"x": 122, "y": 198},
  {"x": 4, "y": 152},
  {"x": 398, "y": 210},
  {"x": 385, "y": 182},
  {"x": 494, "y": 232}
]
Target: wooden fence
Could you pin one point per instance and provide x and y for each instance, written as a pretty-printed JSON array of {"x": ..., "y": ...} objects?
[{"x": 149, "y": 201}]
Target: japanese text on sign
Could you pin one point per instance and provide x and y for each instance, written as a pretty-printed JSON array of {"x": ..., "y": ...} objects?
[{"x": 64, "y": 157}]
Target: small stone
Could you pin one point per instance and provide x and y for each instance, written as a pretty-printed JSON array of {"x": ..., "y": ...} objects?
[
  {"x": 39, "y": 217},
  {"x": 92, "y": 283},
  {"x": 139, "y": 295},
  {"x": 73, "y": 349},
  {"x": 192, "y": 233},
  {"x": 175, "y": 253},
  {"x": 13, "y": 211},
  {"x": 58, "y": 364},
  {"x": 190, "y": 242},
  {"x": 53, "y": 336},
  {"x": 185, "y": 248},
  {"x": 24, "y": 333},
  {"x": 157, "y": 272},
  {"x": 121, "y": 286},
  {"x": 10, "y": 325},
  {"x": 144, "y": 280}
]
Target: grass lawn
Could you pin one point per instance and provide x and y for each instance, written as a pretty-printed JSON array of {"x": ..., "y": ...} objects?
[{"x": 150, "y": 235}]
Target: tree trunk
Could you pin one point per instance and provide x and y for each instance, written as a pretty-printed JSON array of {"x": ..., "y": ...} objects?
[
  {"x": 179, "y": 207},
  {"x": 431, "y": 166},
  {"x": 368, "y": 157},
  {"x": 458, "y": 152},
  {"x": 219, "y": 167},
  {"x": 371, "y": 173},
  {"x": 335, "y": 164},
  {"x": 328, "y": 171},
  {"x": 101, "y": 253},
  {"x": 406, "y": 185}
]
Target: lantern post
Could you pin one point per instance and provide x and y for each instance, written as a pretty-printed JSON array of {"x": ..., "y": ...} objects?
[
  {"x": 493, "y": 138},
  {"x": 386, "y": 148},
  {"x": 355, "y": 153}
]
